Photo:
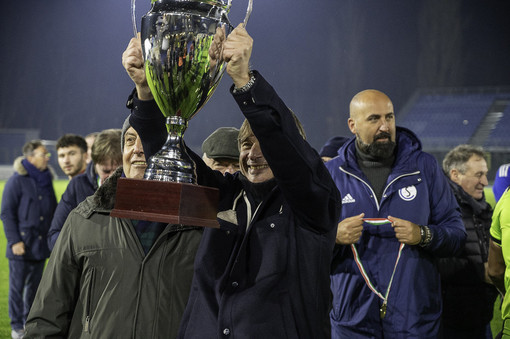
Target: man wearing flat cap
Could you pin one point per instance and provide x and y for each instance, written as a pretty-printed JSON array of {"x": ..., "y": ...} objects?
[{"x": 221, "y": 152}]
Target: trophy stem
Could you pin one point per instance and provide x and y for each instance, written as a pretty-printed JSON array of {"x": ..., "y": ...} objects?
[{"x": 172, "y": 162}]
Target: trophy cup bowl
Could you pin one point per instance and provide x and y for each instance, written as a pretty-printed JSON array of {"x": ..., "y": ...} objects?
[{"x": 175, "y": 37}]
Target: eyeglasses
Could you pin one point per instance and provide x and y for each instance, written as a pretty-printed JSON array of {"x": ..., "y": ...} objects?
[{"x": 46, "y": 155}]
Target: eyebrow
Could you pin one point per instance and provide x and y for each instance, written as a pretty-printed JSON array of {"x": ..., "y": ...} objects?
[{"x": 380, "y": 114}]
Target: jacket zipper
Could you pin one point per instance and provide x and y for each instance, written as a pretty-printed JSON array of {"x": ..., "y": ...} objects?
[
  {"x": 370, "y": 188},
  {"x": 86, "y": 327}
]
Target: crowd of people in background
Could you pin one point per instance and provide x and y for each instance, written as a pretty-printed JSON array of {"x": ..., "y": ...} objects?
[{"x": 368, "y": 238}]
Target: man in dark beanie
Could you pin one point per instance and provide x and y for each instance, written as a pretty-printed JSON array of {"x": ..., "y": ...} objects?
[
  {"x": 331, "y": 147},
  {"x": 221, "y": 151}
]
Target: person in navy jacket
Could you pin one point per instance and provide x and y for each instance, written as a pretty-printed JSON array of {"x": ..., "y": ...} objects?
[
  {"x": 265, "y": 272},
  {"x": 106, "y": 157},
  {"x": 398, "y": 215},
  {"x": 28, "y": 204}
]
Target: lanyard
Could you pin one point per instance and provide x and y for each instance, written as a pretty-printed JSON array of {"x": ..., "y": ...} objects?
[{"x": 382, "y": 310}]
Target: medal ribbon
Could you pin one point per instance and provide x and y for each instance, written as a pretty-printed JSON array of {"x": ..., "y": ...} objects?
[{"x": 367, "y": 279}]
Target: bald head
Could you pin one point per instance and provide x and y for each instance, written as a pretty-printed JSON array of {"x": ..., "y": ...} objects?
[
  {"x": 368, "y": 100},
  {"x": 372, "y": 120}
]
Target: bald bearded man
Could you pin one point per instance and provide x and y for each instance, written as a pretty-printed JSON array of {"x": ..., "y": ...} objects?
[{"x": 398, "y": 215}]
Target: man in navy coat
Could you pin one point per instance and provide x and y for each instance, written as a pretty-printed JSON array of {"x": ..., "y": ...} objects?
[{"x": 265, "y": 272}]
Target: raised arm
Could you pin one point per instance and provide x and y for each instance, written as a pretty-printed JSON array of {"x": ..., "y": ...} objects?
[{"x": 299, "y": 170}]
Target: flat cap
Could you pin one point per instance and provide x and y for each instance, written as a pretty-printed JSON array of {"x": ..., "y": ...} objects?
[{"x": 222, "y": 143}]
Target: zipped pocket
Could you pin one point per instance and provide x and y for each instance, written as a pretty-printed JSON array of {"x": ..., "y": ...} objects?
[{"x": 88, "y": 300}]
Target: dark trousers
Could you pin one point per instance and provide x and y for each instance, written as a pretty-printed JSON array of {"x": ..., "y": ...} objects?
[{"x": 24, "y": 278}]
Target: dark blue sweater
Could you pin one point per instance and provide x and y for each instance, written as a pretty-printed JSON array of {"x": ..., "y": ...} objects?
[{"x": 80, "y": 187}]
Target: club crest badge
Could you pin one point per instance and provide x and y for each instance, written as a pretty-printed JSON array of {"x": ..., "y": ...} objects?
[{"x": 407, "y": 193}]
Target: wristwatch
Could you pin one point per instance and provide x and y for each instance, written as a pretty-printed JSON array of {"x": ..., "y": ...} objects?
[
  {"x": 426, "y": 236},
  {"x": 246, "y": 87}
]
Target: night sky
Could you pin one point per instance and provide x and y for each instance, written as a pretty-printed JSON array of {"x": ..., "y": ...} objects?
[{"x": 63, "y": 74}]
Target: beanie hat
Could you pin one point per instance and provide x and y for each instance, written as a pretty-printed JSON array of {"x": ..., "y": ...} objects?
[
  {"x": 331, "y": 147},
  {"x": 222, "y": 143},
  {"x": 125, "y": 127}
]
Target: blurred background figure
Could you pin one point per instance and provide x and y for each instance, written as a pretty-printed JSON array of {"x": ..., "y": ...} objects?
[
  {"x": 331, "y": 147},
  {"x": 464, "y": 281},
  {"x": 89, "y": 138},
  {"x": 72, "y": 154},
  {"x": 28, "y": 203},
  {"x": 502, "y": 181},
  {"x": 106, "y": 157},
  {"x": 221, "y": 150}
]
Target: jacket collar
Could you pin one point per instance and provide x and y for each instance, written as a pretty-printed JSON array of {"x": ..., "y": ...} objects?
[
  {"x": 103, "y": 200},
  {"x": 407, "y": 143},
  {"x": 478, "y": 206},
  {"x": 91, "y": 174}
]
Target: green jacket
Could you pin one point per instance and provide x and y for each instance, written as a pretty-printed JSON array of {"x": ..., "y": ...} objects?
[{"x": 99, "y": 283}]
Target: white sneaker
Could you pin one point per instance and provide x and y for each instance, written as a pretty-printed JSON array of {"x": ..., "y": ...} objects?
[{"x": 17, "y": 334}]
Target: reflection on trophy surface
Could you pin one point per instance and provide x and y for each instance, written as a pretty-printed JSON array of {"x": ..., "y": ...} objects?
[{"x": 176, "y": 36}]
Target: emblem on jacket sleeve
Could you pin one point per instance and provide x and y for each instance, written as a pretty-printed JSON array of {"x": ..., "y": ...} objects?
[{"x": 407, "y": 193}]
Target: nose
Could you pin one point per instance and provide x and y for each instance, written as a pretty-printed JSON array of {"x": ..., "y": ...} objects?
[
  {"x": 484, "y": 181},
  {"x": 138, "y": 146},
  {"x": 231, "y": 169},
  {"x": 255, "y": 151},
  {"x": 385, "y": 126}
]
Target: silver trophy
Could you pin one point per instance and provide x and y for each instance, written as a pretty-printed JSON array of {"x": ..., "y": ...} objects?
[{"x": 176, "y": 36}]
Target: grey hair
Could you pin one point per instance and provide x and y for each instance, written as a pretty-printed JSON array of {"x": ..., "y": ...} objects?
[
  {"x": 459, "y": 156},
  {"x": 30, "y": 146}
]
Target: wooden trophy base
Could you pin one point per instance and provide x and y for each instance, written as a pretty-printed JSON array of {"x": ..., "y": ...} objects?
[{"x": 164, "y": 201}]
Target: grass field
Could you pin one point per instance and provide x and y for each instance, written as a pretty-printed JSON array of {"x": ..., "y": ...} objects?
[{"x": 60, "y": 186}]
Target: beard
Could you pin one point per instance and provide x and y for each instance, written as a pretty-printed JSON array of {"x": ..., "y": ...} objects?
[{"x": 381, "y": 150}]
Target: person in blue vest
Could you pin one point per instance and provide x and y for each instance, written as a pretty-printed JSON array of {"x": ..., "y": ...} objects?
[
  {"x": 28, "y": 204},
  {"x": 398, "y": 215}
]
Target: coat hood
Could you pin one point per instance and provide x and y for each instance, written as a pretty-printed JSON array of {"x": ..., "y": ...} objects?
[
  {"x": 21, "y": 170},
  {"x": 103, "y": 199},
  {"x": 18, "y": 166}
]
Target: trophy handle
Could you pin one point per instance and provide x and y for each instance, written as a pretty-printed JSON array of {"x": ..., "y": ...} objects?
[
  {"x": 133, "y": 17},
  {"x": 248, "y": 12}
]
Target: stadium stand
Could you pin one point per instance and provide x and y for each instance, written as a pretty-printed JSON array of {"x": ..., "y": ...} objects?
[{"x": 446, "y": 117}]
